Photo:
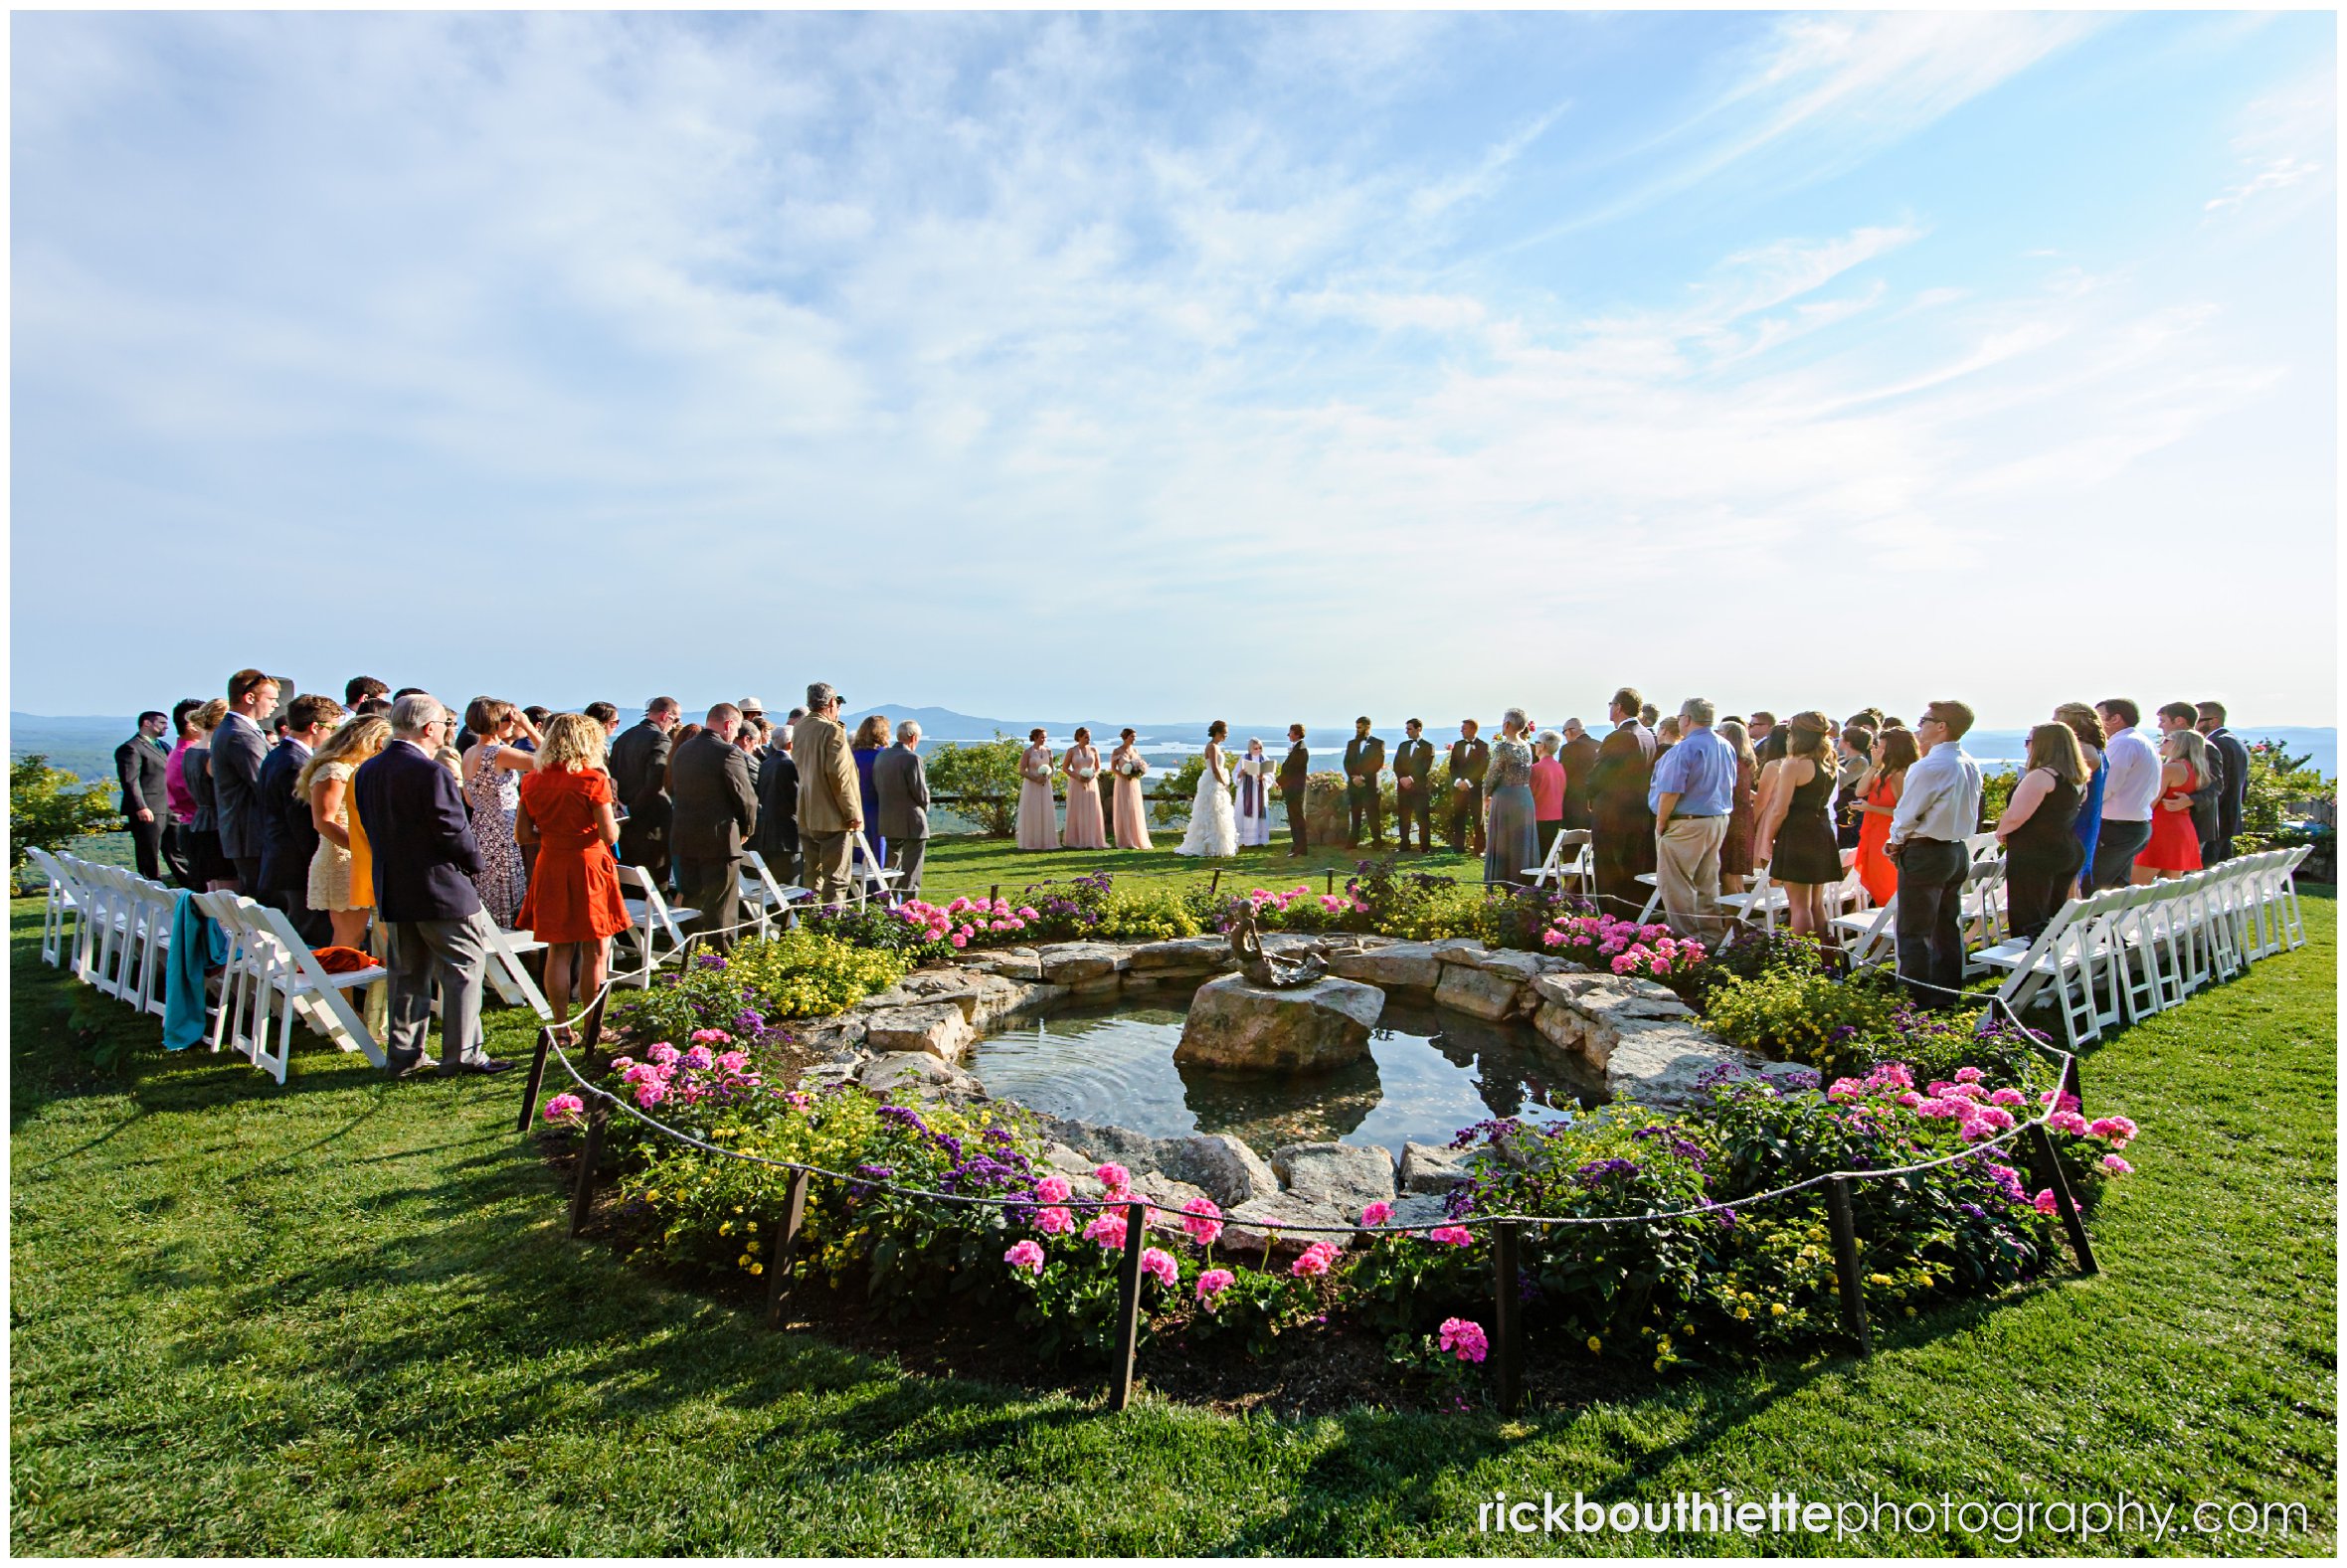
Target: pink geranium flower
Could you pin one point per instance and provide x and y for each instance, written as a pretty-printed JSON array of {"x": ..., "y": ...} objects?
[
  {"x": 2118, "y": 1166},
  {"x": 1213, "y": 1284},
  {"x": 2007, "y": 1097},
  {"x": 1452, "y": 1235},
  {"x": 1969, "y": 1075},
  {"x": 1316, "y": 1260},
  {"x": 562, "y": 1107},
  {"x": 1054, "y": 1221},
  {"x": 1203, "y": 1220},
  {"x": 1024, "y": 1255},
  {"x": 661, "y": 1051},
  {"x": 1052, "y": 1190},
  {"x": 2045, "y": 1203},
  {"x": 1377, "y": 1214},
  {"x": 1115, "y": 1178},
  {"x": 1108, "y": 1229},
  {"x": 1464, "y": 1340},
  {"x": 1159, "y": 1263},
  {"x": 2067, "y": 1122}
]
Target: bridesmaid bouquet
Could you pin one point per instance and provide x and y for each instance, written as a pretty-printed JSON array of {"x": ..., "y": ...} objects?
[
  {"x": 1083, "y": 775},
  {"x": 1130, "y": 768}
]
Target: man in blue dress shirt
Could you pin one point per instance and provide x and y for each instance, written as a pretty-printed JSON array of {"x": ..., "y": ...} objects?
[{"x": 1691, "y": 795}]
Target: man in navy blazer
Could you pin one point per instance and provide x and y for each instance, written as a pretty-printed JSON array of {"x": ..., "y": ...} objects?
[
  {"x": 424, "y": 855},
  {"x": 239, "y": 747},
  {"x": 288, "y": 836}
]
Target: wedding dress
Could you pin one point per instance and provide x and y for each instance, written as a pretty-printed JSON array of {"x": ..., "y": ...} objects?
[{"x": 1213, "y": 830}]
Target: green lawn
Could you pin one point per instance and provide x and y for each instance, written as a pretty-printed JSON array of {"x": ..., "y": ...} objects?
[
  {"x": 341, "y": 1316},
  {"x": 974, "y": 865}
]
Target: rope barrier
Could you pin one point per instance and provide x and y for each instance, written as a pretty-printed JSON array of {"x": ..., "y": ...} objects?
[{"x": 1975, "y": 1151}]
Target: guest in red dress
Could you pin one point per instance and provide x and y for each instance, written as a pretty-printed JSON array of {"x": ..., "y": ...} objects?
[
  {"x": 1896, "y": 751},
  {"x": 2174, "y": 848},
  {"x": 574, "y": 904}
]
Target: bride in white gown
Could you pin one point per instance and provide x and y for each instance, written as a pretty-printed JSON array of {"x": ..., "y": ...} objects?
[{"x": 1213, "y": 828}]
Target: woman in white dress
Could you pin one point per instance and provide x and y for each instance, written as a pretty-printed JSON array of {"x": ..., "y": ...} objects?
[
  {"x": 1038, "y": 820},
  {"x": 1254, "y": 805},
  {"x": 1212, "y": 830}
]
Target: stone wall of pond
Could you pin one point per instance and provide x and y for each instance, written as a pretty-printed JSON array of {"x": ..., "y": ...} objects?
[{"x": 911, "y": 1038}]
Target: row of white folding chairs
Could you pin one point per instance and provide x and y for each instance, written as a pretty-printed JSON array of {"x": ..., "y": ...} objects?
[
  {"x": 1869, "y": 936},
  {"x": 113, "y": 929},
  {"x": 2124, "y": 954},
  {"x": 110, "y": 926}
]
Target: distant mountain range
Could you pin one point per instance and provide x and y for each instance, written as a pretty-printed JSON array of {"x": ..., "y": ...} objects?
[{"x": 84, "y": 744}]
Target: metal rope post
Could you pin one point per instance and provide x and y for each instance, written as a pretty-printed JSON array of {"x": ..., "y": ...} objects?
[
  {"x": 1120, "y": 1393},
  {"x": 2063, "y": 1204},
  {"x": 1506, "y": 1314},
  {"x": 1853, "y": 1301},
  {"x": 582, "y": 1192},
  {"x": 784, "y": 1247}
]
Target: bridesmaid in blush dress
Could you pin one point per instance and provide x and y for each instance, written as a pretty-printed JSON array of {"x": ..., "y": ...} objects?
[
  {"x": 1085, "y": 829},
  {"x": 1038, "y": 823},
  {"x": 1131, "y": 815}
]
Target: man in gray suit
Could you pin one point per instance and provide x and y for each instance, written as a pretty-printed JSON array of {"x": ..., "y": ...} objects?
[
  {"x": 716, "y": 813},
  {"x": 238, "y": 747},
  {"x": 900, "y": 786}
]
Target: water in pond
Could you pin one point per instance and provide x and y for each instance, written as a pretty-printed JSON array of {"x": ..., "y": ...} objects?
[{"x": 1429, "y": 1073}]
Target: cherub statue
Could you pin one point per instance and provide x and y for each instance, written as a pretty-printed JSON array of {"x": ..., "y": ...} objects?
[{"x": 1274, "y": 973}]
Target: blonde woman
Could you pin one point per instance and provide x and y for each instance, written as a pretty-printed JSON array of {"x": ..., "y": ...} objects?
[
  {"x": 341, "y": 871},
  {"x": 1796, "y": 836},
  {"x": 569, "y": 810},
  {"x": 2174, "y": 848}
]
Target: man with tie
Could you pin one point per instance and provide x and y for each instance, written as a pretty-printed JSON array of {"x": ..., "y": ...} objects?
[
  {"x": 640, "y": 772},
  {"x": 1414, "y": 762},
  {"x": 1621, "y": 824},
  {"x": 716, "y": 813},
  {"x": 2235, "y": 759},
  {"x": 1365, "y": 760},
  {"x": 1295, "y": 768},
  {"x": 140, "y": 765},
  {"x": 1470, "y": 756},
  {"x": 289, "y": 836}
]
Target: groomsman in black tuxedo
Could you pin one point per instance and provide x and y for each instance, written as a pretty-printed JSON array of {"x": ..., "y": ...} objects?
[
  {"x": 1413, "y": 760},
  {"x": 1469, "y": 758},
  {"x": 1295, "y": 768},
  {"x": 1622, "y": 825},
  {"x": 1365, "y": 760}
]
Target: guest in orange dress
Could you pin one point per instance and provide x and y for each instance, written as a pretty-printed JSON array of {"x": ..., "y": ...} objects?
[
  {"x": 1896, "y": 751},
  {"x": 1085, "y": 829},
  {"x": 574, "y": 904}
]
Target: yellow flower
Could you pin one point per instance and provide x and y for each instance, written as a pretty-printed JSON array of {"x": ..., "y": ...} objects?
[
  {"x": 758, "y": 1267},
  {"x": 1878, "y": 1279},
  {"x": 1658, "y": 1366},
  {"x": 753, "y": 1227},
  {"x": 1747, "y": 1297},
  {"x": 1910, "y": 1312},
  {"x": 1595, "y": 1344},
  {"x": 743, "y": 1261},
  {"x": 1743, "y": 1312},
  {"x": 737, "y": 1208},
  {"x": 1776, "y": 1308},
  {"x": 1925, "y": 1281},
  {"x": 726, "y": 1229},
  {"x": 1664, "y": 1343}
]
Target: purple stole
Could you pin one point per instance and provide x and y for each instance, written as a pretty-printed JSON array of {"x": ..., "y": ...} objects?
[{"x": 1252, "y": 801}]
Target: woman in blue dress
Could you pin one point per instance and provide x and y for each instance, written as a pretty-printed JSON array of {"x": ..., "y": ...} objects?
[{"x": 1511, "y": 840}]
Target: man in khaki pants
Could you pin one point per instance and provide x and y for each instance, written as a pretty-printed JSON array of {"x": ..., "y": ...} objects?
[
  {"x": 830, "y": 805},
  {"x": 1692, "y": 793}
]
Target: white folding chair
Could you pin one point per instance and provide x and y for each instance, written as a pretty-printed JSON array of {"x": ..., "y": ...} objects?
[
  {"x": 293, "y": 977},
  {"x": 149, "y": 957},
  {"x": 507, "y": 974},
  {"x": 104, "y": 923},
  {"x": 2285, "y": 886},
  {"x": 2064, "y": 959},
  {"x": 1869, "y": 934},
  {"x": 61, "y": 908},
  {"x": 763, "y": 895},
  {"x": 2221, "y": 897},
  {"x": 1980, "y": 847},
  {"x": 241, "y": 977},
  {"x": 1983, "y": 902},
  {"x": 2260, "y": 902},
  {"x": 867, "y": 874},
  {"x": 650, "y": 918},
  {"x": 1568, "y": 857},
  {"x": 1758, "y": 898}
]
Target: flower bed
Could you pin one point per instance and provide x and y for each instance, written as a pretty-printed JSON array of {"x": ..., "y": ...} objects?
[{"x": 1726, "y": 1280}]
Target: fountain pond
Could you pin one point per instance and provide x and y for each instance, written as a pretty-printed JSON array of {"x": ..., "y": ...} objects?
[{"x": 1430, "y": 1072}]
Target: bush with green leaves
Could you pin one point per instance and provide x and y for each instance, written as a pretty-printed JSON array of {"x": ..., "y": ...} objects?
[
  {"x": 1795, "y": 1015},
  {"x": 48, "y": 809},
  {"x": 2274, "y": 800},
  {"x": 800, "y": 973},
  {"x": 984, "y": 775}
]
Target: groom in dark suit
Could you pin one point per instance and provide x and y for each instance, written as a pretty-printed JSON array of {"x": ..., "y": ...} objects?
[
  {"x": 1413, "y": 765},
  {"x": 1365, "y": 760},
  {"x": 1295, "y": 768},
  {"x": 424, "y": 858}
]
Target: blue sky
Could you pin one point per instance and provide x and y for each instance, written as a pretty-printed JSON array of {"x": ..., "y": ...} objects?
[{"x": 1177, "y": 364}]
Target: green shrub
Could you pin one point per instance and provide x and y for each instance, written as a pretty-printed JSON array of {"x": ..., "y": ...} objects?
[
  {"x": 48, "y": 809},
  {"x": 985, "y": 775},
  {"x": 1799, "y": 1016},
  {"x": 793, "y": 974}
]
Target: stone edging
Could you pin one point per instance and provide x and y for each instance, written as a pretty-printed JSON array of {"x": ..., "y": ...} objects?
[{"x": 910, "y": 1037}]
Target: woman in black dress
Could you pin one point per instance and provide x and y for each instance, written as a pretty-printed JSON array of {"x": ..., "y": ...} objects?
[
  {"x": 1796, "y": 837},
  {"x": 2042, "y": 849}
]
